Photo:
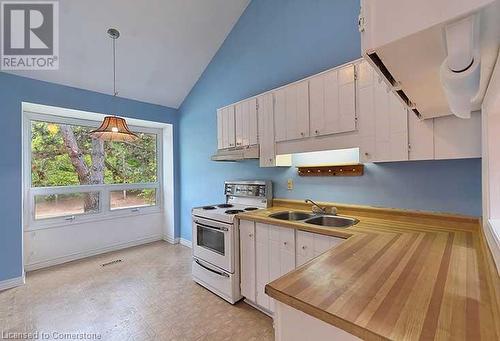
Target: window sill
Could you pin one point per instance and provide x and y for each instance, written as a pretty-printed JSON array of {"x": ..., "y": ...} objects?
[{"x": 116, "y": 214}]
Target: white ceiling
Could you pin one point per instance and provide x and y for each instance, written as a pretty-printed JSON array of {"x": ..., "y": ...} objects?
[{"x": 163, "y": 49}]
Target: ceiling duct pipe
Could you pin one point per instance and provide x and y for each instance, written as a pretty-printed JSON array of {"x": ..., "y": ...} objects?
[{"x": 460, "y": 71}]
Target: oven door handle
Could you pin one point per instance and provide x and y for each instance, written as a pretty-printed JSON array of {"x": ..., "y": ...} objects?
[
  {"x": 220, "y": 273},
  {"x": 212, "y": 227}
]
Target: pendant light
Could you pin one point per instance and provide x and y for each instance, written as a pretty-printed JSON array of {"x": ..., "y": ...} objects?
[{"x": 114, "y": 128}]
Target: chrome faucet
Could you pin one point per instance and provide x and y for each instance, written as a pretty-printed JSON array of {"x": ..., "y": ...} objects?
[{"x": 321, "y": 209}]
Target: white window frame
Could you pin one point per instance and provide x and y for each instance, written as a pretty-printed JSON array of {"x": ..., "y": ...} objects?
[{"x": 104, "y": 190}]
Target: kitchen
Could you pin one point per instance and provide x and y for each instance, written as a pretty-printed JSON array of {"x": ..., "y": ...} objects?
[{"x": 323, "y": 177}]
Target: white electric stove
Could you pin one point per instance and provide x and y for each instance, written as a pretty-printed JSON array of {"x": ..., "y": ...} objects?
[{"x": 216, "y": 237}]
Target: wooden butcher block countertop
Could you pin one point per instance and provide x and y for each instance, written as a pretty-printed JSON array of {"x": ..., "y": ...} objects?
[{"x": 399, "y": 275}]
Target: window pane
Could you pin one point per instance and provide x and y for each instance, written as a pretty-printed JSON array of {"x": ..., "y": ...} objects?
[
  {"x": 66, "y": 155},
  {"x": 132, "y": 162},
  {"x": 60, "y": 154},
  {"x": 60, "y": 205},
  {"x": 132, "y": 198}
]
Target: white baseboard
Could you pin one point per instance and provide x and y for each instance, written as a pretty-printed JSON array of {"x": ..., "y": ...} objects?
[
  {"x": 89, "y": 253},
  {"x": 171, "y": 240},
  {"x": 186, "y": 242},
  {"x": 11, "y": 283}
]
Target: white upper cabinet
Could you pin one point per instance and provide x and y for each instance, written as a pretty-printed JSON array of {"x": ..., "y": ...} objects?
[
  {"x": 391, "y": 126},
  {"x": 237, "y": 125},
  {"x": 226, "y": 136},
  {"x": 246, "y": 123},
  {"x": 291, "y": 112},
  {"x": 220, "y": 137},
  {"x": 266, "y": 130},
  {"x": 406, "y": 42},
  {"x": 383, "y": 125},
  {"x": 332, "y": 102},
  {"x": 456, "y": 138},
  {"x": 421, "y": 138},
  {"x": 346, "y": 107}
]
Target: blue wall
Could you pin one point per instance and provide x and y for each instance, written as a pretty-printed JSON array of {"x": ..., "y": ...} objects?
[
  {"x": 276, "y": 42},
  {"x": 13, "y": 91}
]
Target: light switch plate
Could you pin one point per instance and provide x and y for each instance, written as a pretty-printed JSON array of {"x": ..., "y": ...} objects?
[{"x": 290, "y": 184}]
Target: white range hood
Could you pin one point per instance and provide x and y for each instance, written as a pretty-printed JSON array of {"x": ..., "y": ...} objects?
[{"x": 406, "y": 43}]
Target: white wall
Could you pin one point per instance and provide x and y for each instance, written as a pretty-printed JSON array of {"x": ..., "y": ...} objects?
[{"x": 61, "y": 244}]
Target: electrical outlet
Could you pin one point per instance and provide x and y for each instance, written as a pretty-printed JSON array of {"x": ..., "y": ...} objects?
[{"x": 290, "y": 184}]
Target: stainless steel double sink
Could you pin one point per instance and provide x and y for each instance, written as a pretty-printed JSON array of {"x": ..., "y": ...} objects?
[{"x": 325, "y": 220}]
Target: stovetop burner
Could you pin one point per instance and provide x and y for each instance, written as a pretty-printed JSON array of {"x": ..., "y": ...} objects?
[
  {"x": 233, "y": 211},
  {"x": 224, "y": 205},
  {"x": 251, "y": 208},
  {"x": 208, "y": 208}
]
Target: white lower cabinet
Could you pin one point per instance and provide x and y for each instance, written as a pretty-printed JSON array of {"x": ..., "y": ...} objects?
[
  {"x": 274, "y": 257},
  {"x": 310, "y": 245},
  {"x": 269, "y": 252},
  {"x": 247, "y": 259}
]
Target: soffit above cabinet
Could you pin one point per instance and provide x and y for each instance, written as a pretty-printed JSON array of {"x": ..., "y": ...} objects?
[{"x": 413, "y": 50}]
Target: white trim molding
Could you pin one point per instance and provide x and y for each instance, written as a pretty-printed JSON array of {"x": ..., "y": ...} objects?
[
  {"x": 12, "y": 283},
  {"x": 186, "y": 242},
  {"x": 170, "y": 239}
]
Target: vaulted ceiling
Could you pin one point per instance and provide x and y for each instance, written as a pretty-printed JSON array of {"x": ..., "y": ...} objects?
[{"x": 163, "y": 49}]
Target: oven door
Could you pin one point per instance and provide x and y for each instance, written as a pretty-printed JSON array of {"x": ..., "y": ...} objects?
[{"x": 212, "y": 242}]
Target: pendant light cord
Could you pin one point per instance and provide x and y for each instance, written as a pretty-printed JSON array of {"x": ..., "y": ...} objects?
[{"x": 114, "y": 67}]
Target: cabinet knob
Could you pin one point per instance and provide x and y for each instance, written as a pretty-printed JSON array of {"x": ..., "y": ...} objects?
[
  {"x": 366, "y": 154},
  {"x": 316, "y": 131},
  {"x": 285, "y": 243},
  {"x": 250, "y": 235},
  {"x": 304, "y": 247},
  {"x": 301, "y": 134},
  {"x": 270, "y": 159}
]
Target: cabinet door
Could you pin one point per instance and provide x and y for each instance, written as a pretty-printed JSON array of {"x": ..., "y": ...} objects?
[
  {"x": 310, "y": 245},
  {"x": 266, "y": 130},
  {"x": 262, "y": 247},
  {"x": 220, "y": 143},
  {"x": 228, "y": 127},
  {"x": 246, "y": 123},
  {"x": 304, "y": 247},
  {"x": 391, "y": 125},
  {"x": 456, "y": 138},
  {"x": 252, "y": 130},
  {"x": 291, "y": 112},
  {"x": 247, "y": 256},
  {"x": 282, "y": 253},
  {"x": 420, "y": 137},
  {"x": 332, "y": 102},
  {"x": 280, "y": 115},
  {"x": 366, "y": 116},
  {"x": 240, "y": 120},
  {"x": 322, "y": 243}
]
